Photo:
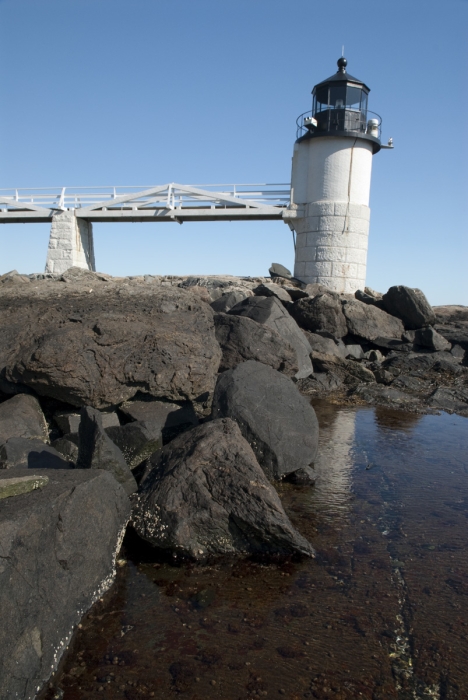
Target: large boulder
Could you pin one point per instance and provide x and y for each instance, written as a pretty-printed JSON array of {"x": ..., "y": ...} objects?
[
  {"x": 21, "y": 416},
  {"x": 370, "y": 322},
  {"x": 205, "y": 494},
  {"x": 161, "y": 416},
  {"x": 229, "y": 299},
  {"x": 329, "y": 346},
  {"x": 97, "y": 451},
  {"x": 58, "y": 546},
  {"x": 344, "y": 369},
  {"x": 242, "y": 339},
  {"x": 30, "y": 453},
  {"x": 320, "y": 313},
  {"x": 99, "y": 345},
  {"x": 270, "y": 289},
  {"x": 410, "y": 305},
  {"x": 429, "y": 338},
  {"x": 275, "y": 419},
  {"x": 270, "y": 312}
]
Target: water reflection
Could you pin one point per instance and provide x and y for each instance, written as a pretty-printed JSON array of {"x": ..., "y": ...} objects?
[
  {"x": 332, "y": 493},
  {"x": 381, "y": 614},
  {"x": 396, "y": 420}
]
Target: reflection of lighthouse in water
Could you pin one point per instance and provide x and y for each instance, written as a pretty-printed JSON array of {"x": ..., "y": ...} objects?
[{"x": 334, "y": 462}]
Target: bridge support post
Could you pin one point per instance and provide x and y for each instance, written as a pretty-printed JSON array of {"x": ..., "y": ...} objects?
[{"x": 70, "y": 243}]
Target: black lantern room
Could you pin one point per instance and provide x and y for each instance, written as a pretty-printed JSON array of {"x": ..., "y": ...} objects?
[{"x": 339, "y": 108}]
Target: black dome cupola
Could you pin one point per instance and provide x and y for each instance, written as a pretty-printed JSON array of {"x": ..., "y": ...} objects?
[{"x": 339, "y": 107}]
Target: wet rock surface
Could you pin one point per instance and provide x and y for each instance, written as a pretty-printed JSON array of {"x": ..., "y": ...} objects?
[
  {"x": 278, "y": 423},
  {"x": 206, "y": 494},
  {"x": 380, "y": 614},
  {"x": 57, "y": 547}
]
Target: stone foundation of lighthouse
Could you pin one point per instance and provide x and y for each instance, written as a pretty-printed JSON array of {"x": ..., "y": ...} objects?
[{"x": 330, "y": 189}]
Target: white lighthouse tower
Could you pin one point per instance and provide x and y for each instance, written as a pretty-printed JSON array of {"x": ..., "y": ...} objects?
[{"x": 330, "y": 183}]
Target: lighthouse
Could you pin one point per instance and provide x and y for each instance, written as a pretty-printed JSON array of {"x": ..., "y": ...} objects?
[{"x": 330, "y": 183}]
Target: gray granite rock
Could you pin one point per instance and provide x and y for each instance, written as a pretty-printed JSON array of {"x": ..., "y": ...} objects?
[
  {"x": 275, "y": 419},
  {"x": 97, "y": 451},
  {"x": 57, "y": 557},
  {"x": 205, "y": 494},
  {"x": 270, "y": 312},
  {"x": 21, "y": 416},
  {"x": 410, "y": 305},
  {"x": 243, "y": 339},
  {"x": 31, "y": 453}
]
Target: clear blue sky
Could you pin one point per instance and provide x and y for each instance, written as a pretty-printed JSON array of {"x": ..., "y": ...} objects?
[{"x": 130, "y": 92}]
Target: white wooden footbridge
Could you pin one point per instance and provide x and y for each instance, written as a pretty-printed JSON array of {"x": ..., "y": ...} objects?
[{"x": 71, "y": 211}]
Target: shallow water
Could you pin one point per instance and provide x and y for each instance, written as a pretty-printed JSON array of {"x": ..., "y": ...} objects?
[{"x": 381, "y": 613}]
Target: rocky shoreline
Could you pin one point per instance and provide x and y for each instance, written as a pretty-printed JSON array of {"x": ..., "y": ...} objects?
[{"x": 177, "y": 403}]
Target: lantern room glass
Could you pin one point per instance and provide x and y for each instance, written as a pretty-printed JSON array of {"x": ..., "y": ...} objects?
[{"x": 347, "y": 97}]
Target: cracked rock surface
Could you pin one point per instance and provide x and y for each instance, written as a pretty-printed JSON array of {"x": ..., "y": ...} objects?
[{"x": 57, "y": 556}]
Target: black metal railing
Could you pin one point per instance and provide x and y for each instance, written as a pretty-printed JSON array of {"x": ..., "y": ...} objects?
[{"x": 330, "y": 120}]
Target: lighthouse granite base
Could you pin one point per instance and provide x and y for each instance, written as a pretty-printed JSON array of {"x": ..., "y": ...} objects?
[{"x": 331, "y": 246}]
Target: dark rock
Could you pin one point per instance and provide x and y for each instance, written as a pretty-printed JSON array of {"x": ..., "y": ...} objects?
[
  {"x": 455, "y": 334},
  {"x": 393, "y": 344},
  {"x": 67, "y": 446},
  {"x": 414, "y": 384},
  {"x": 295, "y": 293},
  {"x": 369, "y": 322},
  {"x": 206, "y": 494},
  {"x": 381, "y": 395},
  {"x": 317, "y": 289},
  {"x": 327, "y": 346},
  {"x": 343, "y": 368},
  {"x": 30, "y": 453},
  {"x": 97, "y": 451},
  {"x": 269, "y": 289},
  {"x": 410, "y": 305},
  {"x": 278, "y": 423},
  {"x": 168, "y": 418},
  {"x": 368, "y": 299},
  {"x": 429, "y": 338},
  {"x": 160, "y": 341},
  {"x": 302, "y": 477},
  {"x": 451, "y": 314},
  {"x": 418, "y": 363},
  {"x": 383, "y": 376},
  {"x": 452, "y": 400},
  {"x": 320, "y": 383},
  {"x": 408, "y": 336},
  {"x": 225, "y": 302},
  {"x": 277, "y": 270},
  {"x": 57, "y": 557},
  {"x": 243, "y": 339},
  {"x": 271, "y": 313},
  {"x": 320, "y": 313},
  {"x": 136, "y": 441},
  {"x": 21, "y": 416},
  {"x": 69, "y": 422}
]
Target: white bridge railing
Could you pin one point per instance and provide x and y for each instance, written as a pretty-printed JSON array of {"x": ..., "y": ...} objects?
[{"x": 171, "y": 196}]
